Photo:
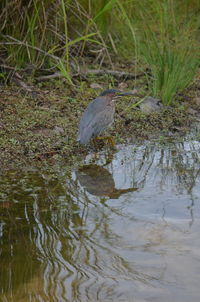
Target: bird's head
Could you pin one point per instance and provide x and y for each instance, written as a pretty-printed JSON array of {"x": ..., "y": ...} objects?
[{"x": 114, "y": 93}]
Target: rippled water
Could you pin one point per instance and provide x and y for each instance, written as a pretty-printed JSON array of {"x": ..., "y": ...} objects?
[{"x": 123, "y": 228}]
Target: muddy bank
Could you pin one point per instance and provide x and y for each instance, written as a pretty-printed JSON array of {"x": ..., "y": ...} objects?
[{"x": 44, "y": 127}]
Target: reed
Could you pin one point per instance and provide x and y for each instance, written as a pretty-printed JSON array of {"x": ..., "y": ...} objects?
[{"x": 168, "y": 46}]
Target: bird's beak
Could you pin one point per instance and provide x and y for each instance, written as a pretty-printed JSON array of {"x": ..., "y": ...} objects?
[{"x": 125, "y": 93}]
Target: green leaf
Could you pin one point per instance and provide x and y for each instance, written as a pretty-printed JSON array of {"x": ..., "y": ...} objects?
[
  {"x": 83, "y": 38},
  {"x": 106, "y": 8}
]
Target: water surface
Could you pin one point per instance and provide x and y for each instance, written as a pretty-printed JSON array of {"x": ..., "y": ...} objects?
[{"x": 123, "y": 228}]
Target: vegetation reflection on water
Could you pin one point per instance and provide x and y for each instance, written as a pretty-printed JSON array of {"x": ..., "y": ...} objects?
[{"x": 123, "y": 231}]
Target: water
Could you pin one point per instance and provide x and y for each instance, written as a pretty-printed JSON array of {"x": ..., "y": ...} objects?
[{"x": 123, "y": 228}]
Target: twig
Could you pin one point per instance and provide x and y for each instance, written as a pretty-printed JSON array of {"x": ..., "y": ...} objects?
[
  {"x": 115, "y": 73},
  {"x": 10, "y": 69},
  {"x": 83, "y": 74},
  {"x": 15, "y": 77},
  {"x": 50, "y": 76}
]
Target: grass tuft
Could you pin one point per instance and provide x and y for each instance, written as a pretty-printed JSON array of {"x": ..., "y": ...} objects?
[{"x": 168, "y": 47}]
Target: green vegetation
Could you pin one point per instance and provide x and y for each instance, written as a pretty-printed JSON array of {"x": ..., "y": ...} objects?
[
  {"x": 160, "y": 35},
  {"x": 169, "y": 47}
]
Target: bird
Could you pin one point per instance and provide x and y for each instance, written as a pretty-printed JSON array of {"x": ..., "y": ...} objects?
[{"x": 99, "y": 115}]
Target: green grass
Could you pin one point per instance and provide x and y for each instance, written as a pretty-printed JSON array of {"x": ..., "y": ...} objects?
[
  {"x": 172, "y": 68},
  {"x": 169, "y": 48},
  {"x": 161, "y": 35}
]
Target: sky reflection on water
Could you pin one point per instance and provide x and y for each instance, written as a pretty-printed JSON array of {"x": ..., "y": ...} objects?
[{"x": 123, "y": 231}]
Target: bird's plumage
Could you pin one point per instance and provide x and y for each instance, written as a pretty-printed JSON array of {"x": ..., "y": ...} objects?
[{"x": 96, "y": 118}]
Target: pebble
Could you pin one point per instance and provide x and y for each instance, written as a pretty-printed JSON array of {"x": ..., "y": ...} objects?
[
  {"x": 150, "y": 105},
  {"x": 95, "y": 86},
  {"x": 58, "y": 130}
]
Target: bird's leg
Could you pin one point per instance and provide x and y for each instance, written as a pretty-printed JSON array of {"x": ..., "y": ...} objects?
[
  {"x": 98, "y": 141},
  {"x": 111, "y": 141},
  {"x": 100, "y": 138},
  {"x": 108, "y": 139}
]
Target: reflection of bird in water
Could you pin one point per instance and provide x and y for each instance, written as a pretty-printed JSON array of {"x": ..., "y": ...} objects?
[{"x": 99, "y": 181}]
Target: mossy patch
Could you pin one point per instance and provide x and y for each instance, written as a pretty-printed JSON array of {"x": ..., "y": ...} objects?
[{"x": 35, "y": 129}]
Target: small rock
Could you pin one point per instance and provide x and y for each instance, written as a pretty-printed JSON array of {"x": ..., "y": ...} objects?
[
  {"x": 58, "y": 130},
  {"x": 122, "y": 85},
  {"x": 135, "y": 91},
  {"x": 96, "y": 86},
  {"x": 192, "y": 111},
  {"x": 197, "y": 101},
  {"x": 150, "y": 105}
]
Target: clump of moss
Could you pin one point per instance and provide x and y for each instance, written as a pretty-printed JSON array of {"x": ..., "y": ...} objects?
[{"x": 135, "y": 124}]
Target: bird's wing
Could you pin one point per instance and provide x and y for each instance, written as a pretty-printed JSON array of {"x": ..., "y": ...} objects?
[
  {"x": 96, "y": 125},
  {"x": 90, "y": 113},
  {"x": 96, "y": 106}
]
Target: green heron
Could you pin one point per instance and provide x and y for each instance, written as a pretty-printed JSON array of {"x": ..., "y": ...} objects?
[{"x": 99, "y": 115}]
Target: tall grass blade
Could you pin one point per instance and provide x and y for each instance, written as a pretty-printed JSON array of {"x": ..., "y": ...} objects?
[{"x": 108, "y": 6}]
